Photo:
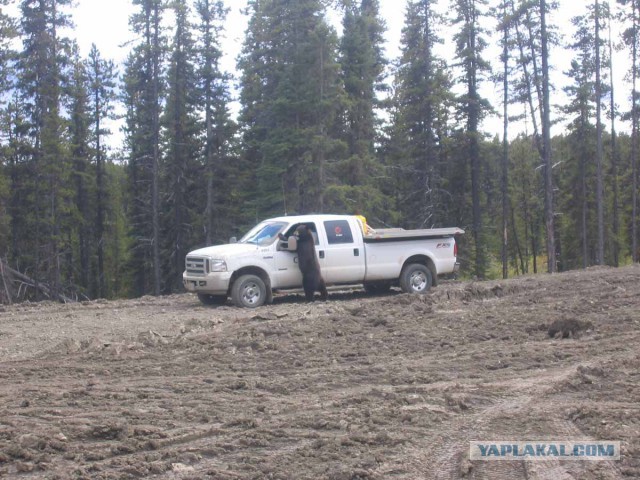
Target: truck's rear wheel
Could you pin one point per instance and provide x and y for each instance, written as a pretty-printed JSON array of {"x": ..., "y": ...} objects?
[
  {"x": 416, "y": 278},
  {"x": 207, "y": 299},
  {"x": 249, "y": 291}
]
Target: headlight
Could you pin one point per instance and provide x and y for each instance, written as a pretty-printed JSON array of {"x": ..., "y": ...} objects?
[{"x": 217, "y": 265}]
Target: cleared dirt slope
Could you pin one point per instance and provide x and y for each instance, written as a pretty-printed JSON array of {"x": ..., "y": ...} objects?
[{"x": 359, "y": 387}]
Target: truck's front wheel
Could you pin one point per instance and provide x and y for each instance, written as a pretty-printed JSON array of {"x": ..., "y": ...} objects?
[
  {"x": 416, "y": 278},
  {"x": 248, "y": 291},
  {"x": 207, "y": 299}
]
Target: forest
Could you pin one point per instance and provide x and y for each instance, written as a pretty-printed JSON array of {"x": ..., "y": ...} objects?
[{"x": 325, "y": 122}]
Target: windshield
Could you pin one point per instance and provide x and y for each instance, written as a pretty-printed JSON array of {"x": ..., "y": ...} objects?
[{"x": 263, "y": 233}]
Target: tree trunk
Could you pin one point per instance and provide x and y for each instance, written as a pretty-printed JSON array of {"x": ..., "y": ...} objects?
[
  {"x": 100, "y": 196},
  {"x": 634, "y": 140},
  {"x": 614, "y": 159},
  {"x": 599, "y": 152},
  {"x": 505, "y": 146},
  {"x": 155, "y": 168},
  {"x": 546, "y": 143}
]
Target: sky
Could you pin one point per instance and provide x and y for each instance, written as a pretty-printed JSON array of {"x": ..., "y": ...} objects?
[{"x": 106, "y": 23}]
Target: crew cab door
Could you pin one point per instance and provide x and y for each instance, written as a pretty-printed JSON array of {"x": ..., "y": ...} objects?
[
  {"x": 287, "y": 270},
  {"x": 342, "y": 258}
]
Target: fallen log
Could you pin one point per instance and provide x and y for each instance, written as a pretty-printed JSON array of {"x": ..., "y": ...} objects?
[{"x": 42, "y": 287}]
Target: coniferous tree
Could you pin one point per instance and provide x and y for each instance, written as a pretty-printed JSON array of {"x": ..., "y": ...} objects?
[
  {"x": 631, "y": 39},
  {"x": 505, "y": 26},
  {"x": 581, "y": 109},
  {"x": 8, "y": 33},
  {"x": 79, "y": 150},
  {"x": 290, "y": 102},
  {"x": 615, "y": 247},
  {"x": 422, "y": 101},
  {"x": 533, "y": 38},
  {"x": 180, "y": 168},
  {"x": 469, "y": 47},
  {"x": 225, "y": 185},
  {"x": 144, "y": 81},
  {"x": 101, "y": 76},
  {"x": 549, "y": 206},
  {"x": 42, "y": 63},
  {"x": 363, "y": 65},
  {"x": 599, "y": 148}
]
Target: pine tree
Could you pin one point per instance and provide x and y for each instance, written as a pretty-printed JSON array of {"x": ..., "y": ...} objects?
[
  {"x": 144, "y": 81},
  {"x": 469, "y": 47},
  {"x": 180, "y": 170},
  {"x": 101, "y": 77},
  {"x": 363, "y": 66},
  {"x": 8, "y": 33},
  {"x": 224, "y": 175},
  {"x": 600, "y": 260},
  {"x": 615, "y": 244},
  {"x": 290, "y": 99},
  {"x": 422, "y": 100},
  {"x": 42, "y": 64},
  {"x": 581, "y": 110},
  {"x": 505, "y": 25},
  {"x": 631, "y": 39},
  {"x": 80, "y": 162},
  {"x": 549, "y": 206}
]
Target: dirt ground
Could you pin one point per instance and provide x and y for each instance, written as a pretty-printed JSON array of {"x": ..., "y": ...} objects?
[{"x": 360, "y": 387}]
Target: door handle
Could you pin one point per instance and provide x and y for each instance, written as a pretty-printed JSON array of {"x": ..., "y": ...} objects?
[
  {"x": 356, "y": 252},
  {"x": 321, "y": 253}
]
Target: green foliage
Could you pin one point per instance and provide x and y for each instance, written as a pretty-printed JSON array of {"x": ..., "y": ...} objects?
[
  {"x": 290, "y": 99},
  {"x": 422, "y": 104}
]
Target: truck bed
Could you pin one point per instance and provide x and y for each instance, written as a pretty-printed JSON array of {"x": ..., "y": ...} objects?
[{"x": 395, "y": 234}]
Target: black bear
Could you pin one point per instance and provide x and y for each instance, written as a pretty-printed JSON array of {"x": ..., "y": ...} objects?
[{"x": 312, "y": 280}]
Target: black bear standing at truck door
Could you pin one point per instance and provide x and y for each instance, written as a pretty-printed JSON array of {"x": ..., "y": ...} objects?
[{"x": 312, "y": 280}]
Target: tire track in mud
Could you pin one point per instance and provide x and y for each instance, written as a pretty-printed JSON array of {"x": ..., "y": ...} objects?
[{"x": 448, "y": 455}]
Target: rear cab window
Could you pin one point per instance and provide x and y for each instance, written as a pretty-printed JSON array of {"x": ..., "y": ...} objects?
[{"x": 338, "y": 232}]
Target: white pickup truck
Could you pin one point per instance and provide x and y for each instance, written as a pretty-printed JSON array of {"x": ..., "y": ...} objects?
[{"x": 258, "y": 265}]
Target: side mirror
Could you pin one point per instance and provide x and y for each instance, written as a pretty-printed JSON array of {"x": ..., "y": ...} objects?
[
  {"x": 233, "y": 240},
  {"x": 289, "y": 245}
]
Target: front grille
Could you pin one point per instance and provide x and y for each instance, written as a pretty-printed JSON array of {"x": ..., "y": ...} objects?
[{"x": 196, "y": 266}]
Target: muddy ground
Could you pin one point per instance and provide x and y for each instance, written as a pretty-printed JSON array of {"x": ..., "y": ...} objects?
[{"x": 359, "y": 387}]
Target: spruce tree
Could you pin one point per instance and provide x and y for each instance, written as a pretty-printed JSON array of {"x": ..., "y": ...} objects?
[
  {"x": 42, "y": 64},
  {"x": 8, "y": 32},
  {"x": 290, "y": 102},
  {"x": 180, "y": 172},
  {"x": 101, "y": 75},
  {"x": 469, "y": 47},
  {"x": 363, "y": 67},
  {"x": 144, "y": 85},
  {"x": 581, "y": 111},
  {"x": 631, "y": 39},
  {"x": 79, "y": 136},
  {"x": 422, "y": 100},
  {"x": 224, "y": 175}
]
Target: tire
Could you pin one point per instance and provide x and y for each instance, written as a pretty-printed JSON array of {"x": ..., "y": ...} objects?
[
  {"x": 377, "y": 288},
  {"x": 416, "y": 278},
  {"x": 248, "y": 291},
  {"x": 212, "y": 300}
]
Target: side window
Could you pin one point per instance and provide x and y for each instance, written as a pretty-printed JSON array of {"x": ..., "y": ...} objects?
[
  {"x": 312, "y": 227},
  {"x": 338, "y": 231}
]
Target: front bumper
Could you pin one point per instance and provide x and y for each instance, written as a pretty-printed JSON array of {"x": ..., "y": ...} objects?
[{"x": 216, "y": 283}]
